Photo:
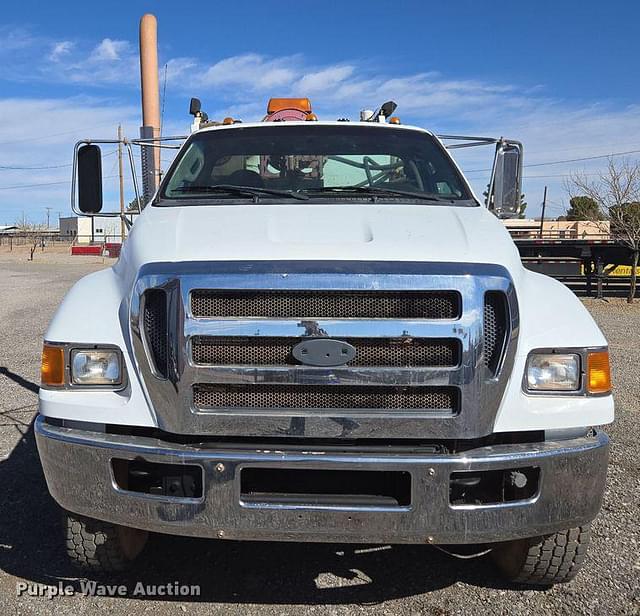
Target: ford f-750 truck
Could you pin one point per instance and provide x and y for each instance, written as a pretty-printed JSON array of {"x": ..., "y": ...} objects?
[{"x": 316, "y": 331}]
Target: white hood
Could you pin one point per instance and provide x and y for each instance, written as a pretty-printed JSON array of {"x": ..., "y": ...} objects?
[{"x": 358, "y": 232}]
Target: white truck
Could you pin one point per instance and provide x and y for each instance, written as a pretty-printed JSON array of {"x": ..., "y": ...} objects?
[{"x": 316, "y": 331}]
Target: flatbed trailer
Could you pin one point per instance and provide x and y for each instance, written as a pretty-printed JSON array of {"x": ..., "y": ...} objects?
[{"x": 580, "y": 263}]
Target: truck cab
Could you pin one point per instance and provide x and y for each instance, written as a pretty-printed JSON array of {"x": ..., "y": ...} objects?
[{"x": 316, "y": 331}]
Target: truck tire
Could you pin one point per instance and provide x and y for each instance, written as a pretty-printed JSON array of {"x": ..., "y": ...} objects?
[
  {"x": 101, "y": 546},
  {"x": 544, "y": 561}
]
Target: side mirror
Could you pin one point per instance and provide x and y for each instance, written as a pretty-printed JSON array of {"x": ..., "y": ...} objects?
[
  {"x": 89, "y": 179},
  {"x": 194, "y": 106},
  {"x": 506, "y": 180},
  {"x": 388, "y": 108}
]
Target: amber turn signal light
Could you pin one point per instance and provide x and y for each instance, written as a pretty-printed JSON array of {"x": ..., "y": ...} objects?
[
  {"x": 598, "y": 372},
  {"x": 52, "y": 368}
]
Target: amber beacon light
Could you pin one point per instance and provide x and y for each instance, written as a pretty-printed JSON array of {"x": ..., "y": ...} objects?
[
  {"x": 52, "y": 368},
  {"x": 279, "y": 104},
  {"x": 598, "y": 372}
]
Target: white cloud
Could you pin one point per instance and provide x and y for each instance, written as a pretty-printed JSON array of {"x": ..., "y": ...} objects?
[
  {"x": 60, "y": 50},
  {"x": 253, "y": 71},
  {"x": 110, "y": 50},
  {"x": 324, "y": 79},
  {"x": 13, "y": 39}
]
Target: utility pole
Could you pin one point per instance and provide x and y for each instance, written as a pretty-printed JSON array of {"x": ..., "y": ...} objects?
[
  {"x": 544, "y": 206},
  {"x": 121, "y": 176},
  {"x": 48, "y": 210}
]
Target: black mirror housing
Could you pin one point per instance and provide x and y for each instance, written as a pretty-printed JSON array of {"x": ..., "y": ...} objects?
[
  {"x": 195, "y": 106},
  {"x": 90, "y": 179},
  {"x": 388, "y": 108}
]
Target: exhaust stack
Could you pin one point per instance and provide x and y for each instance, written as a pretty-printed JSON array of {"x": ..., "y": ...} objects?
[{"x": 150, "y": 128}]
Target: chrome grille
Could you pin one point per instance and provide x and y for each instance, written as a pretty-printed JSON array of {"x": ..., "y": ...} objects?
[
  {"x": 495, "y": 328},
  {"x": 155, "y": 328},
  {"x": 391, "y": 352},
  {"x": 324, "y": 397},
  {"x": 427, "y": 336},
  {"x": 213, "y": 303}
]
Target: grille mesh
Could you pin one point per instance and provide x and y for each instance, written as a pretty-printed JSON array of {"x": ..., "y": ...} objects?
[
  {"x": 155, "y": 328},
  {"x": 495, "y": 328},
  {"x": 416, "y": 352},
  {"x": 213, "y": 303},
  {"x": 325, "y": 397}
]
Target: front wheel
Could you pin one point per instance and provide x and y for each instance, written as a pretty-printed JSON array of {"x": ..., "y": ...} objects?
[
  {"x": 543, "y": 561},
  {"x": 101, "y": 546}
]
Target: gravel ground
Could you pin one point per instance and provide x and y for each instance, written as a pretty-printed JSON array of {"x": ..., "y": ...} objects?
[{"x": 264, "y": 578}]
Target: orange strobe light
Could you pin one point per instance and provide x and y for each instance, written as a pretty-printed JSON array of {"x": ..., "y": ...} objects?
[
  {"x": 278, "y": 104},
  {"x": 598, "y": 372},
  {"x": 52, "y": 368}
]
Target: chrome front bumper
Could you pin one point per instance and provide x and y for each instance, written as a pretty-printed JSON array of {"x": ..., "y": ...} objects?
[{"x": 77, "y": 466}]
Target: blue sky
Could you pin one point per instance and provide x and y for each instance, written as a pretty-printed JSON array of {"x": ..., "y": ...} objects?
[{"x": 560, "y": 76}]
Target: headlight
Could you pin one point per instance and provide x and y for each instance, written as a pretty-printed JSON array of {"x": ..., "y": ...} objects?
[
  {"x": 553, "y": 372},
  {"x": 96, "y": 367}
]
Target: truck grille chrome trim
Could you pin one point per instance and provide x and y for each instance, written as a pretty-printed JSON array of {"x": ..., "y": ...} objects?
[
  {"x": 496, "y": 329},
  {"x": 155, "y": 328},
  {"x": 380, "y": 393},
  {"x": 277, "y": 304},
  {"x": 325, "y": 397},
  {"x": 397, "y": 352}
]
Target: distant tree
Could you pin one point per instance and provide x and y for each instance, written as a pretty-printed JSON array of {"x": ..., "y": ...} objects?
[
  {"x": 617, "y": 193},
  {"x": 584, "y": 208},
  {"x": 523, "y": 206},
  {"x": 133, "y": 206},
  {"x": 31, "y": 233}
]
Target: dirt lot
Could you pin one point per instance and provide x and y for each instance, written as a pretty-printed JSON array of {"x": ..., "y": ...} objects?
[{"x": 265, "y": 578}]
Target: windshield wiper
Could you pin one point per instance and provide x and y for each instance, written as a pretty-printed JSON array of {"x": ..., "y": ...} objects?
[
  {"x": 252, "y": 191},
  {"x": 381, "y": 190}
]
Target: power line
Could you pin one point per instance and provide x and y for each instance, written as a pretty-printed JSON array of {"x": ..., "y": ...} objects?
[
  {"x": 19, "y": 186},
  {"x": 45, "y": 136},
  {"x": 14, "y": 168},
  {"x": 577, "y": 160},
  {"x": 568, "y": 160},
  {"x": 38, "y": 167}
]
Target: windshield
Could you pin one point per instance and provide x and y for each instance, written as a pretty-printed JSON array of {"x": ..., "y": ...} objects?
[{"x": 314, "y": 162}]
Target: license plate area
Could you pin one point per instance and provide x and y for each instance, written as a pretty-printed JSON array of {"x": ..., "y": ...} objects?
[{"x": 322, "y": 488}]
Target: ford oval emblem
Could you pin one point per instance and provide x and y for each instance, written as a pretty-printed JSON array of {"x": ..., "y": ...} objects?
[{"x": 324, "y": 352}]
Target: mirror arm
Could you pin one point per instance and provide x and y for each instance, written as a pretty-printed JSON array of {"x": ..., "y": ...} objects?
[
  {"x": 127, "y": 223},
  {"x": 127, "y": 144},
  {"x": 492, "y": 179}
]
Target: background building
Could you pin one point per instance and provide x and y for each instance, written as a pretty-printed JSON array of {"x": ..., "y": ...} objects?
[{"x": 87, "y": 230}]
